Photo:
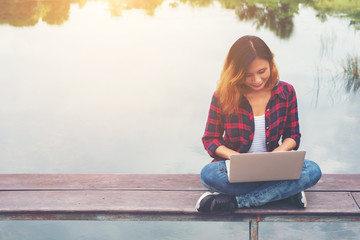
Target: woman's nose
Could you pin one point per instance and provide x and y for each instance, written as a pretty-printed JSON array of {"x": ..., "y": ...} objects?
[{"x": 256, "y": 79}]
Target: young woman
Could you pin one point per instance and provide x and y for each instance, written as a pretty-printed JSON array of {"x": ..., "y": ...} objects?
[{"x": 250, "y": 111}]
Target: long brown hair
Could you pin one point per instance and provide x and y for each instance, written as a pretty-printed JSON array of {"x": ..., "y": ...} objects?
[{"x": 231, "y": 86}]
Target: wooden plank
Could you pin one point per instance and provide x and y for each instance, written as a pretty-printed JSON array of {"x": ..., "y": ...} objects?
[
  {"x": 328, "y": 182},
  {"x": 100, "y": 181},
  {"x": 118, "y": 216},
  {"x": 99, "y": 201},
  {"x": 157, "y": 197},
  {"x": 332, "y": 203},
  {"x": 356, "y": 196},
  {"x": 174, "y": 202},
  {"x": 338, "y": 182}
]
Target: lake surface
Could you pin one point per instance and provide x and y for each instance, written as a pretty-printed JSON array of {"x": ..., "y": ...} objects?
[{"x": 124, "y": 86}]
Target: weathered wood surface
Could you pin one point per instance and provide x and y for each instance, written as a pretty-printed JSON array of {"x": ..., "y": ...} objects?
[
  {"x": 338, "y": 182},
  {"x": 160, "y": 197},
  {"x": 174, "y": 182},
  {"x": 356, "y": 196}
]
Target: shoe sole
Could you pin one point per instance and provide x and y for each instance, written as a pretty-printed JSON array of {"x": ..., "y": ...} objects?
[
  {"x": 197, "y": 206},
  {"x": 303, "y": 199}
]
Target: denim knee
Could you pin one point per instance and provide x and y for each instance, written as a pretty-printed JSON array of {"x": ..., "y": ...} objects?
[
  {"x": 314, "y": 171},
  {"x": 203, "y": 174},
  {"x": 214, "y": 176},
  {"x": 206, "y": 174}
]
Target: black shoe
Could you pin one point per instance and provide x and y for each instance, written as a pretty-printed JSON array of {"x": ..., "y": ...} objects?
[
  {"x": 216, "y": 202},
  {"x": 299, "y": 200}
]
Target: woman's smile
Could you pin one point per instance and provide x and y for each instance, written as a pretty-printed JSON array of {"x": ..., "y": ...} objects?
[{"x": 257, "y": 85}]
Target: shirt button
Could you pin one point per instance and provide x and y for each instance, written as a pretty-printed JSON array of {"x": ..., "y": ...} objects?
[
  {"x": 267, "y": 143},
  {"x": 267, "y": 127},
  {"x": 268, "y": 110}
]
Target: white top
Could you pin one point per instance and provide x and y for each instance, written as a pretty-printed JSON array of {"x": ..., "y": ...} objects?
[{"x": 258, "y": 144}]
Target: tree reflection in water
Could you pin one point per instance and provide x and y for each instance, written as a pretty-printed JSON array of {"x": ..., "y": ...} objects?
[
  {"x": 276, "y": 15},
  {"x": 338, "y": 8},
  {"x": 28, "y": 13},
  {"x": 56, "y": 12},
  {"x": 118, "y": 6}
]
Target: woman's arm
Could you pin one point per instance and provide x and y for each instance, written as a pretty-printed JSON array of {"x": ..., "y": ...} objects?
[
  {"x": 213, "y": 135},
  {"x": 292, "y": 129},
  {"x": 287, "y": 145},
  {"x": 224, "y": 152}
]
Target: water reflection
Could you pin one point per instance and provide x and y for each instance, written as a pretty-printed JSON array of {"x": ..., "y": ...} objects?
[
  {"x": 28, "y": 13},
  {"x": 197, "y": 3},
  {"x": 275, "y": 15},
  {"x": 118, "y": 6},
  {"x": 351, "y": 74},
  {"x": 338, "y": 74},
  {"x": 339, "y": 8},
  {"x": 278, "y": 18}
]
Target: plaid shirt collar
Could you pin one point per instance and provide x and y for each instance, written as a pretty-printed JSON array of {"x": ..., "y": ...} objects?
[{"x": 278, "y": 90}]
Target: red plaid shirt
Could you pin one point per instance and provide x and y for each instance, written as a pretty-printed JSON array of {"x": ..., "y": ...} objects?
[{"x": 237, "y": 131}]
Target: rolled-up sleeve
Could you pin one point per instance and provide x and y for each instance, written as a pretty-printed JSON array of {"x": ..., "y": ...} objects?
[{"x": 213, "y": 136}]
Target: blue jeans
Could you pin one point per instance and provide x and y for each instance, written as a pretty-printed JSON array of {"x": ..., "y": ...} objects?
[{"x": 214, "y": 177}]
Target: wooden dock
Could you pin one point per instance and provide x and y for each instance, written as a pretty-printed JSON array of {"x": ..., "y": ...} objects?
[{"x": 164, "y": 197}]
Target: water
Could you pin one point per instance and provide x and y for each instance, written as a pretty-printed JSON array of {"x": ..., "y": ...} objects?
[{"x": 125, "y": 86}]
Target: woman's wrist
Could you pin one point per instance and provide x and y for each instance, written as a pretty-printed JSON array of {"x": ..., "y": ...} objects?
[
  {"x": 224, "y": 152},
  {"x": 287, "y": 145}
]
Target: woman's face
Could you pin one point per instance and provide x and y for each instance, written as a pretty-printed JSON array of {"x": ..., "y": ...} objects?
[{"x": 257, "y": 74}]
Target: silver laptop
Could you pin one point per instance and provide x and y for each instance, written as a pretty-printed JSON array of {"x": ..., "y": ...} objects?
[{"x": 266, "y": 166}]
